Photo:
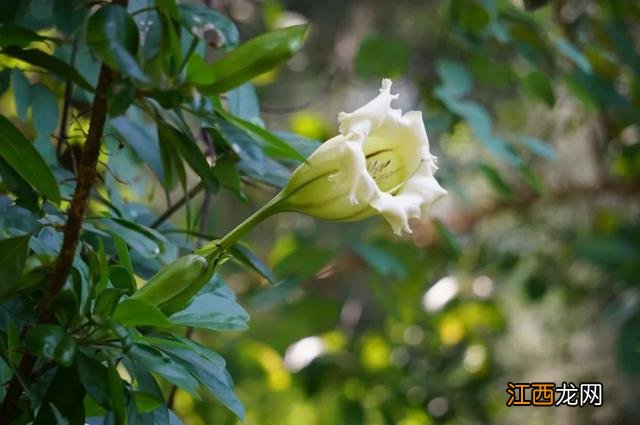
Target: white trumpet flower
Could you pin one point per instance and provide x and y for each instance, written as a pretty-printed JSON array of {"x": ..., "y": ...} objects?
[{"x": 379, "y": 164}]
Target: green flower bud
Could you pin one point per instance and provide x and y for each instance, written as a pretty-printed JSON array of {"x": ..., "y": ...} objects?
[{"x": 175, "y": 284}]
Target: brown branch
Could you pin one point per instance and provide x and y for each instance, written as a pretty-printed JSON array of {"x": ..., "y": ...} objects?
[
  {"x": 85, "y": 180},
  {"x": 175, "y": 207}
]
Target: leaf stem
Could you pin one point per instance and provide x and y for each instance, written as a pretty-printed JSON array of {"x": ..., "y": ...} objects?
[
  {"x": 272, "y": 207},
  {"x": 175, "y": 207}
]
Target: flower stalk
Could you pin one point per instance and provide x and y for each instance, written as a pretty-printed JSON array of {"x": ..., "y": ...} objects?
[{"x": 267, "y": 210}]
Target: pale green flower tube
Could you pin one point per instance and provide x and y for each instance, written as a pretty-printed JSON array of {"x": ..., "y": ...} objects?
[{"x": 380, "y": 163}]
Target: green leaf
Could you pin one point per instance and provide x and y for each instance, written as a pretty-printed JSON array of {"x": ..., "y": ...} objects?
[
  {"x": 538, "y": 147},
  {"x": 121, "y": 279},
  {"x": 120, "y": 96},
  {"x": 456, "y": 79},
  {"x": 133, "y": 312},
  {"x": 5, "y": 80},
  {"x": 14, "y": 342},
  {"x": 245, "y": 256},
  {"x": 146, "y": 402},
  {"x": 170, "y": 45},
  {"x": 124, "y": 334},
  {"x": 199, "y": 19},
  {"x": 51, "y": 63},
  {"x": 531, "y": 178},
  {"x": 52, "y": 343},
  {"x": 380, "y": 259},
  {"x": 536, "y": 85},
  {"x": 23, "y": 157},
  {"x": 172, "y": 163},
  {"x": 207, "y": 367},
  {"x": 228, "y": 176},
  {"x": 198, "y": 71},
  {"x": 243, "y": 103},
  {"x": 274, "y": 144},
  {"x": 41, "y": 9},
  {"x": 113, "y": 36},
  {"x": 573, "y": 53},
  {"x": 303, "y": 262},
  {"x": 627, "y": 346},
  {"x": 189, "y": 150},
  {"x": 301, "y": 144},
  {"x": 21, "y": 93},
  {"x": 470, "y": 15},
  {"x": 147, "y": 242},
  {"x": 146, "y": 384},
  {"x": 534, "y": 4},
  {"x": 253, "y": 160},
  {"x": 170, "y": 98},
  {"x": 495, "y": 180},
  {"x": 12, "y": 35},
  {"x": 141, "y": 142},
  {"x": 63, "y": 398},
  {"x": 449, "y": 238},
  {"x": 489, "y": 72},
  {"x": 25, "y": 195},
  {"x": 107, "y": 301},
  {"x": 211, "y": 311},
  {"x": 481, "y": 123},
  {"x": 255, "y": 57},
  {"x": 93, "y": 376},
  {"x": 160, "y": 363},
  {"x": 13, "y": 254},
  {"x": 5, "y": 376},
  {"x": 69, "y": 15},
  {"x": 116, "y": 394},
  {"x": 615, "y": 253},
  {"x": 123, "y": 255},
  {"x": 44, "y": 110},
  {"x": 380, "y": 57}
]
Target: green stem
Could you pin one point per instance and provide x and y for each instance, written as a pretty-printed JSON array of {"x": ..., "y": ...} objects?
[
  {"x": 267, "y": 210},
  {"x": 192, "y": 48}
]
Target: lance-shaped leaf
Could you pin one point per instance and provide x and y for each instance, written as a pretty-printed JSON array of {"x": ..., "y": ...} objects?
[
  {"x": 113, "y": 36},
  {"x": 214, "y": 312},
  {"x": 52, "y": 343},
  {"x": 190, "y": 152},
  {"x": 208, "y": 367},
  {"x": 273, "y": 144},
  {"x": 13, "y": 253},
  {"x": 60, "y": 405},
  {"x": 134, "y": 312},
  {"x": 12, "y": 35},
  {"x": 254, "y": 57},
  {"x": 50, "y": 63},
  {"x": 23, "y": 157},
  {"x": 245, "y": 256}
]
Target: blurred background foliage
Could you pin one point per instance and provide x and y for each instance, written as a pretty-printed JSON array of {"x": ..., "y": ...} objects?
[{"x": 527, "y": 271}]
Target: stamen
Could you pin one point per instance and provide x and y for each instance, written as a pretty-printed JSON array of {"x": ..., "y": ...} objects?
[{"x": 376, "y": 167}]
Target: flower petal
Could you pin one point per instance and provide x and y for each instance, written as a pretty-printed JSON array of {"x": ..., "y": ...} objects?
[{"x": 377, "y": 147}]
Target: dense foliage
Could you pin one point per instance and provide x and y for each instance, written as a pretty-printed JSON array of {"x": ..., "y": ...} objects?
[{"x": 131, "y": 134}]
